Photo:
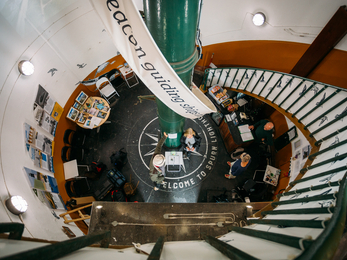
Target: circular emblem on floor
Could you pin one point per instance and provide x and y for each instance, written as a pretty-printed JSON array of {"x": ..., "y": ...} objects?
[{"x": 184, "y": 173}]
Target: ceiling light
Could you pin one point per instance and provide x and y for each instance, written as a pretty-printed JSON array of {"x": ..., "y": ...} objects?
[
  {"x": 16, "y": 205},
  {"x": 259, "y": 19},
  {"x": 25, "y": 67}
]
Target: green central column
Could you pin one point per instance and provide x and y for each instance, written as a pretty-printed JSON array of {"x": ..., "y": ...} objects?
[{"x": 173, "y": 25}]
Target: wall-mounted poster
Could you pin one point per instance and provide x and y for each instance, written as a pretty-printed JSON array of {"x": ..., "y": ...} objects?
[
  {"x": 40, "y": 141},
  {"x": 41, "y": 97},
  {"x": 46, "y": 189},
  {"x": 81, "y": 98},
  {"x": 51, "y": 200},
  {"x": 41, "y": 181},
  {"x": 57, "y": 111},
  {"x": 44, "y": 100},
  {"x": 40, "y": 159},
  {"x": 47, "y": 111},
  {"x": 306, "y": 151}
]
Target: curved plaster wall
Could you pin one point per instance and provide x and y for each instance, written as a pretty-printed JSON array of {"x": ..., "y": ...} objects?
[{"x": 60, "y": 38}]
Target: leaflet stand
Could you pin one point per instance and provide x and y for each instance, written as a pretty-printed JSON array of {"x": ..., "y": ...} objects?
[{"x": 132, "y": 81}]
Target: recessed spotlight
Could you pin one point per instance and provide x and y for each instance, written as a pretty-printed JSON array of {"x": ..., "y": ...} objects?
[
  {"x": 259, "y": 19},
  {"x": 25, "y": 67}
]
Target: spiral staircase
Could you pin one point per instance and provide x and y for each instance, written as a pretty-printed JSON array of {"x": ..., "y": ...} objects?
[{"x": 304, "y": 222}]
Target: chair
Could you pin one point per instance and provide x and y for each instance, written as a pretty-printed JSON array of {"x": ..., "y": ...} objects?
[
  {"x": 130, "y": 188},
  {"x": 117, "y": 81},
  {"x": 78, "y": 188},
  {"x": 74, "y": 138},
  {"x": 69, "y": 153},
  {"x": 258, "y": 176},
  {"x": 81, "y": 215},
  {"x": 107, "y": 91}
]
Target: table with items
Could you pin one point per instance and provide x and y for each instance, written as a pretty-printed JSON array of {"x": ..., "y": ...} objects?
[
  {"x": 174, "y": 161},
  {"x": 233, "y": 124},
  {"x": 89, "y": 112}
]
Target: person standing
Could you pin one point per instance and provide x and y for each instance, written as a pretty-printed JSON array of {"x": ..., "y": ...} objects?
[
  {"x": 157, "y": 164},
  {"x": 262, "y": 131},
  {"x": 239, "y": 166},
  {"x": 190, "y": 141}
]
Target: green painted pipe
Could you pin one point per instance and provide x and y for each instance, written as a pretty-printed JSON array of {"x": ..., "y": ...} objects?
[{"x": 173, "y": 26}]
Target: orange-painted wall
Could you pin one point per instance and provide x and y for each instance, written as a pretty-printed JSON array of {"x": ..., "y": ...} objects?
[
  {"x": 65, "y": 123},
  {"x": 278, "y": 56}
]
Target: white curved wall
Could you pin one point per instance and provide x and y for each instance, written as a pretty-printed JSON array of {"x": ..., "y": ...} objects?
[
  {"x": 294, "y": 21},
  {"x": 59, "y": 35}
]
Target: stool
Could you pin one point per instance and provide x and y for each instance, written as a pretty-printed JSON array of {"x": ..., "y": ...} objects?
[
  {"x": 129, "y": 188},
  {"x": 82, "y": 216}
]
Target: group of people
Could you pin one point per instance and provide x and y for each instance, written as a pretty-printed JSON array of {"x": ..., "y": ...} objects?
[
  {"x": 190, "y": 142},
  {"x": 262, "y": 132}
]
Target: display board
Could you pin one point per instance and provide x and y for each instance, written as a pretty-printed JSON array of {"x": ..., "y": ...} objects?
[
  {"x": 45, "y": 188},
  {"x": 47, "y": 111},
  {"x": 39, "y": 147}
]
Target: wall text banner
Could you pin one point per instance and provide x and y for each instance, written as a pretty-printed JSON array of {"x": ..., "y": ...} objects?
[{"x": 130, "y": 35}]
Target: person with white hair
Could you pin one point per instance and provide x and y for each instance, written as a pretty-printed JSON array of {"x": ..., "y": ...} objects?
[
  {"x": 157, "y": 164},
  {"x": 239, "y": 166}
]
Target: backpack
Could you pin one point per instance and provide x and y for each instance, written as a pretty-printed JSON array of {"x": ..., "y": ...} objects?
[
  {"x": 118, "y": 195},
  {"x": 97, "y": 167},
  {"x": 119, "y": 158}
]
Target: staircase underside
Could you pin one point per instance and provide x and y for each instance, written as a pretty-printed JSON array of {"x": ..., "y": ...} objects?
[{"x": 145, "y": 222}]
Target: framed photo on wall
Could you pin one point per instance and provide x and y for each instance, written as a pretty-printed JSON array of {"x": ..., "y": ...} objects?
[
  {"x": 81, "y": 98},
  {"x": 72, "y": 114}
]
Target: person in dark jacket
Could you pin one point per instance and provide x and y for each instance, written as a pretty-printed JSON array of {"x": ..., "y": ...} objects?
[
  {"x": 262, "y": 131},
  {"x": 190, "y": 141},
  {"x": 157, "y": 164}
]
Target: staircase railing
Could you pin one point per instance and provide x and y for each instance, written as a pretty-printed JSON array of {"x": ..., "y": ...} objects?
[
  {"x": 309, "y": 218},
  {"x": 53, "y": 251}
]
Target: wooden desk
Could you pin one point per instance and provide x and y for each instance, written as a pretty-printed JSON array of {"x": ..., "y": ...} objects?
[
  {"x": 87, "y": 110},
  {"x": 231, "y": 136}
]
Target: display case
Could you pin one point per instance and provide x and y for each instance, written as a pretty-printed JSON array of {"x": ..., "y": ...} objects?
[
  {"x": 218, "y": 94},
  {"x": 217, "y": 117}
]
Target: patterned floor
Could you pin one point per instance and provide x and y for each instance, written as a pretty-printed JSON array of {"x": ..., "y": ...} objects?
[{"x": 134, "y": 126}]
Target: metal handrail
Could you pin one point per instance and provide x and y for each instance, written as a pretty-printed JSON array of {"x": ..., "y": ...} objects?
[
  {"x": 63, "y": 248},
  {"x": 15, "y": 230},
  {"x": 272, "y": 71},
  {"x": 327, "y": 242}
]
